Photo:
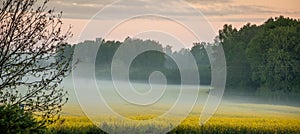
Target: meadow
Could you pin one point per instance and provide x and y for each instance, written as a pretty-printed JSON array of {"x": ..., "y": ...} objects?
[
  {"x": 236, "y": 114},
  {"x": 230, "y": 118}
]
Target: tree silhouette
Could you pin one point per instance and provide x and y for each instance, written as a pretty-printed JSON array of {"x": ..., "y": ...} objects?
[{"x": 30, "y": 69}]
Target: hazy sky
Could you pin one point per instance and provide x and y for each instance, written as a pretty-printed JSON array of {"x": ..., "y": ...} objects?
[{"x": 217, "y": 12}]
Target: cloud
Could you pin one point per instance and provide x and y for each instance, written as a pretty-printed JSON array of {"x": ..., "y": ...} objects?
[
  {"x": 226, "y": 10},
  {"x": 78, "y": 9},
  {"x": 208, "y": 1},
  {"x": 85, "y": 9},
  {"x": 235, "y": 7}
]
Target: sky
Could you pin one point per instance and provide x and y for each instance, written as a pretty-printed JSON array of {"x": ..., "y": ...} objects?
[{"x": 173, "y": 22}]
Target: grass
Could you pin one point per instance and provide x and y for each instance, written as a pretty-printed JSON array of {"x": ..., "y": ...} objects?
[{"x": 230, "y": 118}]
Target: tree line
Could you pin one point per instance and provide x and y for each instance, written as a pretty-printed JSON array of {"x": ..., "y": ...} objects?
[
  {"x": 263, "y": 59},
  {"x": 162, "y": 59},
  {"x": 260, "y": 59}
]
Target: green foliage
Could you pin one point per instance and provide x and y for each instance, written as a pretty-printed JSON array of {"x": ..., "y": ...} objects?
[
  {"x": 202, "y": 60},
  {"x": 150, "y": 59},
  {"x": 274, "y": 55},
  {"x": 106, "y": 52},
  {"x": 145, "y": 63},
  {"x": 14, "y": 120},
  {"x": 200, "y": 54},
  {"x": 235, "y": 44},
  {"x": 263, "y": 57}
]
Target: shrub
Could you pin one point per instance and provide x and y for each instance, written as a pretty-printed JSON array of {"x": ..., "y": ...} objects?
[{"x": 14, "y": 120}]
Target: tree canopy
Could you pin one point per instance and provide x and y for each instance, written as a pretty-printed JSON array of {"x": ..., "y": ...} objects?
[
  {"x": 263, "y": 58},
  {"x": 30, "y": 36}
]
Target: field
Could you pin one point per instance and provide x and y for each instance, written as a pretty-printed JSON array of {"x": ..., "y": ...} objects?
[
  {"x": 230, "y": 118},
  {"x": 236, "y": 114}
]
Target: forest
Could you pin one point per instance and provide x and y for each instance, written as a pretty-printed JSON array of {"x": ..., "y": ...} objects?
[{"x": 261, "y": 59}]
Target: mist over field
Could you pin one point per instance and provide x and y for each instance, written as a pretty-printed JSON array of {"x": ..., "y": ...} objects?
[
  {"x": 235, "y": 107},
  {"x": 108, "y": 92},
  {"x": 144, "y": 81},
  {"x": 147, "y": 66},
  {"x": 120, "y": 72}
]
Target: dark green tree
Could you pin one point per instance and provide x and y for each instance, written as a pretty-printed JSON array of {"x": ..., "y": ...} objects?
[
  {"x": 203, "y": 63},
  {"x": 274, "y": 56},
  {"x": 106, "y": 52},
  {"x": 235, "y": 43},
  {"x": 14, "y": 120}
]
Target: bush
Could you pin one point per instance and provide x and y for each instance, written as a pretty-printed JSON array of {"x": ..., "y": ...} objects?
[{"x": 14, "y": 120}]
